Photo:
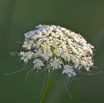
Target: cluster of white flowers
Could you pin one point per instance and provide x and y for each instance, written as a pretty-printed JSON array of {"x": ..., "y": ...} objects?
[{"x": 56, "y": 47}]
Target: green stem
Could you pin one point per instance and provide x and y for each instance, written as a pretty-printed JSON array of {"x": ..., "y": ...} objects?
[
  {"x": 61, "y": 61},
  {"x": 46, "y": 88}
]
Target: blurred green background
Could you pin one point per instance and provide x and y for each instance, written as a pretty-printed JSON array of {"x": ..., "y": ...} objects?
[{"x": 20, "y": 16}]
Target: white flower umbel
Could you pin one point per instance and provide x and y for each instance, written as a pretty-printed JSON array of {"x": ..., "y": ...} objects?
[
  {"x": 51, "y": 48},
  {"x": 56, "y": 47}
]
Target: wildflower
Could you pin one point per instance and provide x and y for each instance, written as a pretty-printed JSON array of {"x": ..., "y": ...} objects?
[
  {"x": 53, "y": 48},
  {"x": 57, "y": 47}
]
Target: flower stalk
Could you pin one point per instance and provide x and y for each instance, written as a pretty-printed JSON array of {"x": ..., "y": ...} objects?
[{"x": 46, "y": 88}]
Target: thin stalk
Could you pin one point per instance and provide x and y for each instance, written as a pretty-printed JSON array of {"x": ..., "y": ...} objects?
[{"x": 46, "y": 88}]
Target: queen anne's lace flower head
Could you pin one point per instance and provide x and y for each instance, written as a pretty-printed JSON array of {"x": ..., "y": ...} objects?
[{"x": 55, "y": 47}]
